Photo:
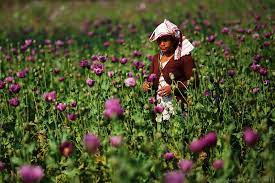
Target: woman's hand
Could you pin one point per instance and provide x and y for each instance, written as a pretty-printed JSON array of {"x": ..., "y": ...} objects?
[
  {"x": 165, "y": 91},
  {"x": 146, "y": 86}
]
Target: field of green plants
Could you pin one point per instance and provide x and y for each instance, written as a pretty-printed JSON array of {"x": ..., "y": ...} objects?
[{"x": 72, "y": 108}]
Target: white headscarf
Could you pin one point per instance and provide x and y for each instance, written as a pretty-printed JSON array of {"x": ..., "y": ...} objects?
[{"x": 167, "y": 28}]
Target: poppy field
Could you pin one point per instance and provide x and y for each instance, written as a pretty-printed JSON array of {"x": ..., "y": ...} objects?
[{"x": 72, "y": 107}]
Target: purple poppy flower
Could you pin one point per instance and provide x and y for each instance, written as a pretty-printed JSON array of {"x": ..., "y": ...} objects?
[
  {"x": 210, "y": 139},
  {"x": 211, "y": 38},
  {"x": 61, "y": 106},
  {"x": 255, "y": 90},
  {"x": 114, "y": 59},
  {"x": 196, "y": 43},
  {"x": 91, "y": 142},
  {"x": 231, "y": 72},
  {"x": 151, "y": 77},
  {"x": 152, "y": 100},
  {"x": 268, "y": 35},
  {"x": 90, "y": 82},
  {"x": 106, "y": 44},
  {"x": 71, "y": 117},
  {"x": 30, "y": 173},
  {"x": 266, "y": 82},
  {"x": 50, "y": 96},
  {"x": 257, "y": 58},
  {"x": 61, "y": 79},
  {"x": 120, "y": 41},
  {"x": 47, "y": 41},
  {"x": 207, "y": 93},
  {"x": 9, "y": 79},
  {"x": 66, "y": 148},
  {"x": 123, "y": 60},
  {"x": 110, "y": 73},
  {"x": 14, "y": 88},
  {"x": 225, "y": 30},
  {"x": 158, "y": 109},
  {"x": 262, "y": 71},
  {"x": 94, "y": 58},
  {"x": 90, "y": 34},
  {"x": 250, "y": 136},
  {"x": 97, "y": 68},
  {"x": 23, "y": 48},
  {"x": 138, "y": 64},
  {"x": 14, "y": 102},
  {"x": 2, "y": 84},
  {"x": 102, "y": 58},
  {"x": 174, "y": 177},
  {"x": 219, "y": 42},
  {"x": 84, "y": 63},
  {"x": 116, "y": 141},
  {"x": 150, "y": 57},
  {"x": 59, "y": 43},
  {"x": 255, "y": 36},
  {"x": 28, "y": 42},
  {"x": 218, "y": 164},
  {"x": 197, "y": 28},
  {"x": 2, "y": 166},
  {"x": 21, "y": 74},
  {"x": 185, "y": 165},
  {"x": 266, "y": 44},
  {"x": 196, "y": 145},
  {"x": 113, "y": 108},
  {"x": 73, "y": 104},
  {"x": 8, "y": 58},
  {"x": 130, "y": 82},
  {"x": 136, "y": 53},
  {"x": 254, "y": 66},
  {"x": 130, "y": 74},
  {"x": 168, "y": 156},
  {"x": 30, "y": 58}
]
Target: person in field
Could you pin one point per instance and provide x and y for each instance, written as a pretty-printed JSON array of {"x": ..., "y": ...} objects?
[{"x": 172, "y": 64}]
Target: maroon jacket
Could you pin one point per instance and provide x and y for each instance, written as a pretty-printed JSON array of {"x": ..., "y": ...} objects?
[{"x": 182, "y": 70}]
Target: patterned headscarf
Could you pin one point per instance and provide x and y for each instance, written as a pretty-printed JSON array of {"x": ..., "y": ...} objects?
[{"x": 167, "y": 28}]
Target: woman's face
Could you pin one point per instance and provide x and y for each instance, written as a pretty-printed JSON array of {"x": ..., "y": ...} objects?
[{"x": 166, "y": 43}]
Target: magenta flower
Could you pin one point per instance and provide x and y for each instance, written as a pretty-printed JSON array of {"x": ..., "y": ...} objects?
[
  {"x": 152, "y": 100},
  {"x": 114, "y": 59},
  {"x": 168, "y": 156},
  {"x": 138, "y": 64},
  {"x": 106, "y": 44},
  {"x": 14, "y": 88},
  {"x": 174, "y": 177},
  {"x": 257, "y": 58},
  {"x": 225, "y": 30},
  {"x": 66, "y": 148},
  {"x": 150, "y": 57},
  {"x": 218, "y": 164},
  {"x": 250, "y": 136},
  {"x": 158, "y": 109},
  {"x": 90, "y": 34},
  {"x": 90, "y": 82},
  {"x": 91, "y": 142},
  {"x": 59, "y": 43},
  {"x": 84, "y": 63},
  {"x": 116, "y": 141},
  {"x": 71, "y": 117},
  {"x": 14, "y": 102},
  {"x": 2, "y": 166},
  {"x": 28, "y": 42},
  {"x": 266, "y": 82},
  {"x": 136, "y": 53},
  {"x": 197, "y": 145},
  {"x": 130, "y": 82},
  {"x": 30, "y": 173},
  {"x": 207, "y": 93},
  {"x": 211, "y": 38},
  {"x": 254, "y": 66},
  {"x": 110, "y": 73},
  {"x": 255, "y": 36},
  {"x": 262, "y": 71},
  {"x": 97, "y": 68},
  {"x": 73, "y": 104},
  {"x": 9, "y": 79},
  {"x": 231, "y": 72},
  {"x": 130, "y": 74},
  {"x": 185, "y": 165},
  {"x": 210, "y": 139},
  {"x": 61, "y": 106},
  {"x": 113, "y": 108},
  {"x": 266, "y": 43},
  {"x": 102, "y": 58},
  {"x": 50, "y": 97},
  {"x": 2, "y": 84},
  {"x": 123, "y": 60},
  {"x": 151, "y": 77},
  {"x": 21, "y": 74}
]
